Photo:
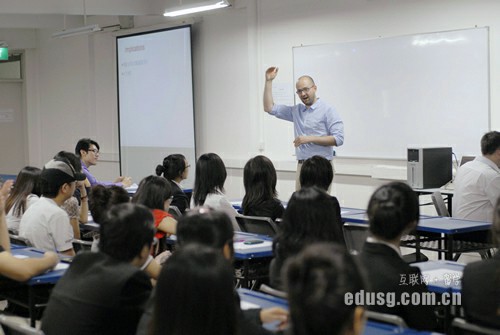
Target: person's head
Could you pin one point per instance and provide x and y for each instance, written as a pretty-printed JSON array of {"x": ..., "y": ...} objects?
[
  {"x": 174, "y": 167},
  {"x": 206, "y": 226},
  {"x": 127, "y": 232},
  {"x": 58, "y": 178},
  {"x": 316, "y": 171},
  {"x": 309, "y": 217},
  {"x": 195, "y": 294},
  {"x": 27, "y": 182},
  {"x": 495, "y": 227},
  {"x": 210, "y": 177},
  {"x": 103, "y": 198},
  {"x": 69, "y": 158},
  {"x": 317, "y": 281},
  {"x": 393, "y": 210},
  {"x": 259, "y": 179},
  {"x": 154, "y": 192},
  {"x": 490, "y": 146},
  {"x": 88, "y": 151},
  {"x": 306, "y": 90}
]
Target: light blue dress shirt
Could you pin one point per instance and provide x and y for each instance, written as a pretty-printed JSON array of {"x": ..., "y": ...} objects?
[{"x": 317, "y": 120}]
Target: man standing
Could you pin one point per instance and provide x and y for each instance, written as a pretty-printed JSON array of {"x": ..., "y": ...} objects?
[
  {"x": 477, "y": 183},
  {"x": 45, "y": 224},
  {"x": 88, "y": 151},
  {"x": 317, "y": 126}
]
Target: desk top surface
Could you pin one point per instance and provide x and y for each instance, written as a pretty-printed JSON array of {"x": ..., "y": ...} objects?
[
  {"x": 442, "y": 276},
  {"x": 253, "y": 299},
  {"x": 434, "y": 224},
  {"x": 49, "y": 277}
]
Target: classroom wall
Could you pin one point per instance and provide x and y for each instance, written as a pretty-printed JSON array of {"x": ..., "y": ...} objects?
[{"x": 71, "y": 83}]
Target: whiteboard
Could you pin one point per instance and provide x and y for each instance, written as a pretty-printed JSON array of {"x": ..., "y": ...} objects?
[{"x": 423, "y": 90}]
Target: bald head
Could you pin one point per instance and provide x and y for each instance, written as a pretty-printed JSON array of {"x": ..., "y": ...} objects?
[
  {"x": 306, "y": 90},
  {"x": 306, "y": 80}
]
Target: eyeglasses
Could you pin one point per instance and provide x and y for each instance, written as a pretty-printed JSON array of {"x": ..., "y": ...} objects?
[
  {"x": 304, "y": 90},
  {"x": 95, "y": 151}
]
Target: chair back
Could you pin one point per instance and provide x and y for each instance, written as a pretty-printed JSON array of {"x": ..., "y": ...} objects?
[
  {"x": 12, "y": 325},
  {"x": 463, "y": 327},
  {"x": 355, "y": 235},
  {"x": 257, "y": 225},
  {"x": 174, "y": 211},
  {"x": 439, "y": 204},
  {"x": 16, "y": 239},
  {"x": 386, "y": 318}
]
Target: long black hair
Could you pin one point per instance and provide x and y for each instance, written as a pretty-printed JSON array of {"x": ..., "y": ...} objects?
[
  {"x": 259, "y": 179},
  {"x": 210, "y": 177}
]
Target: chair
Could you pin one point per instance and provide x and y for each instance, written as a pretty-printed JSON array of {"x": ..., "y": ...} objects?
[
  {"x": 16, "y": 239},
  {"x": 386, "y": 318},
  {"x": 175, "y": 212},
  {"x": 462, "y": 327},
  {"x": 272, "y": 291},
  {"x": 439, "y": 204},
  {"x": 257, "y": 225},
  {"x": 12, "y": 325},
  {"x": 81, "y": 245},
  {"x": 355, "y": 235}
]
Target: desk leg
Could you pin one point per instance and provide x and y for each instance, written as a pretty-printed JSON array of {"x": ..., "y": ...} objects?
[
  {"x": 31, "y": 306},
  {"x": 449, "y": 247},
  {"x": 417, "y": 245}
]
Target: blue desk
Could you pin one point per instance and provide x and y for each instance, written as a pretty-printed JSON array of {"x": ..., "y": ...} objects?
[
  {"x": 442, "y": 276},
  {"x": 254, "y": 258},
  {"x": 437, "y": 225},
  {"x": 17, "y": 246},
  {"x": 242, "y": 251},
  {"x": 251, "y": 260},
  {"x": 39, "y": 286},
  {"x": 266, "y": 301}
]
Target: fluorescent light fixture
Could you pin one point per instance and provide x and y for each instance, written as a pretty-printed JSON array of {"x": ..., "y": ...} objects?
[
  {"x": 76, "y": 31},
  {"x": 196, "y": 7}
]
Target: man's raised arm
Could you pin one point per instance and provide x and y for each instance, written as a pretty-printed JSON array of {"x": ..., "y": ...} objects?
[{"x": 268, "y": 88}]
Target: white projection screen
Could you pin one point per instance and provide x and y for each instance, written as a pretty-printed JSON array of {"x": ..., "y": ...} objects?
[{"x": 155, "y": 100}]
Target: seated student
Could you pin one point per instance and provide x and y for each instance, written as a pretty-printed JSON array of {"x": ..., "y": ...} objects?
[
  {"x": 318, "y": 171},
  {"x": 209, "y": 186},
  {"x": 194, "y": 294},
  {"x": 45, "y": 224},
  {"x": 155, "y": 193},
  {"x": 88, "y": 151},
  {"x": 393, "y": 211},
  {"x": 481, "y": 284},
  {"x": 105, "y": 292},
  {"x": 212, "y": 228},
  {"x": 259, "y": 179},
  {"x": 309, "y": 218},
  {"x": 16, "y": 268},
  {"x": 318, "y": 280},
  {"x": 477, "y": 183},
  {"x": 77, "y": 206},
  {"x": 175, "y": 169},
  {"x": 103, "y": 198},
  {"x": 25, "y": 193}
]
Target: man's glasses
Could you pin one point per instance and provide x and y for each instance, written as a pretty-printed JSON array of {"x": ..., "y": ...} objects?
[
  {"x": 95, "y": 151},
  {"x": 304, "y": 90}
]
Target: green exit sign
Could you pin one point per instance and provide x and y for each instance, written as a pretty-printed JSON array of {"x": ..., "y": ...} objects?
[{"x": 4, "y": 53}]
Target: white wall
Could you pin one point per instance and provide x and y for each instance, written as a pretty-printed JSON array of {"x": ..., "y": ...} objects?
[{"x": 72, "y": 88}]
